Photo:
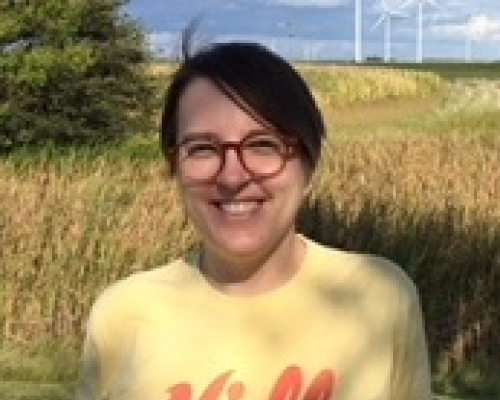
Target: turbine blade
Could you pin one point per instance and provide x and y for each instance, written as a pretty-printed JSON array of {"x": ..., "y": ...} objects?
[{"x": 379, "y": 21}]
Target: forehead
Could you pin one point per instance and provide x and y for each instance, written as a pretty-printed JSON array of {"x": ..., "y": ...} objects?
[{"x": 203, "y": 107}]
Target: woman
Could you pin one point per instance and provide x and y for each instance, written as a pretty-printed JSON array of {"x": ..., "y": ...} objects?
[{"x": 260, "y": 311}]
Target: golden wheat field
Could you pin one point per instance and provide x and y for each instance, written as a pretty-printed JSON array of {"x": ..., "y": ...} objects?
[
  {"x": 343, "y": 85},
  {"x": 414, "y": 180}
]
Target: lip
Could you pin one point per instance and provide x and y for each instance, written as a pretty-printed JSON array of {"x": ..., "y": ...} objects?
[
  {"x": 219, "y": 205},
  {"x": 219, "y": 202}
]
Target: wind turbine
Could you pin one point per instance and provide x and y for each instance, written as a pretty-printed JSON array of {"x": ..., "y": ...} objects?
[
  {"x": 420, "y": 5},
  {"x": 385, "y": 17}
]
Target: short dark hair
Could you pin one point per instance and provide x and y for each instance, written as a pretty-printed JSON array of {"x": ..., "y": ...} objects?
[{"x": 257, "y": 80}]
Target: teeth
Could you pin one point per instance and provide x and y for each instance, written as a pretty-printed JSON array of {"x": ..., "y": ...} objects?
[{"x": 239, "y": 208}]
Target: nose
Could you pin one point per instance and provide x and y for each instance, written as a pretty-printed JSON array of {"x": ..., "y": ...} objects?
[{"x": 233, "y": 173}]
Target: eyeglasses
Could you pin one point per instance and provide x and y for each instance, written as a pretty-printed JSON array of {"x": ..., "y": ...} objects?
[{"x": 262, "y": 154}]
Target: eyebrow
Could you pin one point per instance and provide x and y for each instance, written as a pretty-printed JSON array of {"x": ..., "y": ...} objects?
[
  {"x": 186, "y": 136},
  {"x": 213, "y": 135}
]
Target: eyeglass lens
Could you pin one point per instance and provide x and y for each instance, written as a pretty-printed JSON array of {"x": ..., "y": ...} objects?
[{"x": 202, "y": 158}]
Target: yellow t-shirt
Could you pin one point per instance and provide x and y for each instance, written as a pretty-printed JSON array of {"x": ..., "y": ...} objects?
[{"x": 345, "y": 327}]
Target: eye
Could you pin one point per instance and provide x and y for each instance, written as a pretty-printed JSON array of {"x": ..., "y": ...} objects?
[
  {"x": 199, "y": 149},
  {"x": 265, "y": 144}
]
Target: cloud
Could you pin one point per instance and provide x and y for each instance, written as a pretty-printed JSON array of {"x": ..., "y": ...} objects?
[
  {"x": 309, "y": 3},
  {"x": 478, "y": 27},
  {"x": 481, "y": 27}
]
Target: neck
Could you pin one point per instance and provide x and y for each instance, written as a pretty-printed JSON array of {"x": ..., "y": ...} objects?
[{"x": 254, "y": 275}]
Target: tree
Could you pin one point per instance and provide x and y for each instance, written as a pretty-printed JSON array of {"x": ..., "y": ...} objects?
[{"x": 71, "y": 71}]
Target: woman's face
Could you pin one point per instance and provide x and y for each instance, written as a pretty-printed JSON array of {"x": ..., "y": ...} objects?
[{"x": 239, "y": 218}]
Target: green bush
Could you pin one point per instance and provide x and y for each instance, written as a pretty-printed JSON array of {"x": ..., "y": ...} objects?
[{"x": 71, "y": 71}]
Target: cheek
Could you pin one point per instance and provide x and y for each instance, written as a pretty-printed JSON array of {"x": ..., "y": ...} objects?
[{"x": 293, "y": 190}]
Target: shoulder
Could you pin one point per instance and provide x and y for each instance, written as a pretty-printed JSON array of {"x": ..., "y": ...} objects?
[
  {"x": 164, "y": 275},
  {"x": 134, "y": 293},
  {"x": 371, "y": 273}
]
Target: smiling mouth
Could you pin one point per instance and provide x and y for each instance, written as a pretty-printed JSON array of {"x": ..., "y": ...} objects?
[{"x": 239, "y": 208}]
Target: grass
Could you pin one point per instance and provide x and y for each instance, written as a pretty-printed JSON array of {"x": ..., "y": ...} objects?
[
  {"x": 14, "y": 390},
  {"x": 38, "y": 373},
  {"x": 413, "y": 179},
  {"x": 452, "y": 71},
  {"x": 446, "y": 397}
]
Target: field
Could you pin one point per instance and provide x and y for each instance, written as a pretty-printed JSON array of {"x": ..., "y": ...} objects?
[
  {"x": 410, "y": 170},
  {"x": 454, "y": 71}
]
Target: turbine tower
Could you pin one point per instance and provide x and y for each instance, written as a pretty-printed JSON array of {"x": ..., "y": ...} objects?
[
  {"x": 385, "y": 17},
  {"x": 420, "y": 7}
]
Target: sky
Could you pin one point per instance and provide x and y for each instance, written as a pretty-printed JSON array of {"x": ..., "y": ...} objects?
[{"x": 325, "y": 29}]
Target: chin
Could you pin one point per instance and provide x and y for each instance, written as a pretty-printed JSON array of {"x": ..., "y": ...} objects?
[{"x": 238, "y": 244}]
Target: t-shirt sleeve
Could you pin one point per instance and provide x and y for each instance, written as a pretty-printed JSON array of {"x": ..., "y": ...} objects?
[
  {"x": 89, "y": 382},
  {"x": 411, "y": 378}
]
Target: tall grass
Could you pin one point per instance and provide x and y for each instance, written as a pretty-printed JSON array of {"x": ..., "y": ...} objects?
[
  {"x": 454, "y": 70},
  {"x": 341, "y": 85},
  {"x": 70, "y": 227},
  {"x": 74, "y": 220}
]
